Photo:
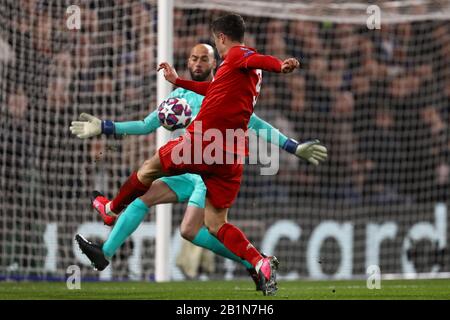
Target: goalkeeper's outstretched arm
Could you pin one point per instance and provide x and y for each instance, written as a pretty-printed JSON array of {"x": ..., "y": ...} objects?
[
  {"x": 91, "y": 126},
  {"x": 312, "y": 151}
]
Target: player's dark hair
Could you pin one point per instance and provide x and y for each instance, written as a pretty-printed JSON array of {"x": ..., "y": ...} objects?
[{"x": 231, "y": 25}]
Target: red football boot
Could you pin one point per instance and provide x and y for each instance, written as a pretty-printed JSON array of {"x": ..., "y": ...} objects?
[
  {"x": 255, "y": 276},
  {"x": 267, "y": 271},
  {"x": 99, "y": 202}
]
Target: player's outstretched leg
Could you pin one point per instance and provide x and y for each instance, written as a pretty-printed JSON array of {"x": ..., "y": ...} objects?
[
  {"x": 158, "y": 193},
  {"x": 130, "y": 190},
  {"x": 93, "y": 251},
  {"x": 136, "y": 185}
]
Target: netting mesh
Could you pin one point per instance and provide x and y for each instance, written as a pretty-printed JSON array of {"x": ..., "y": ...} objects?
[{"x": 379, "y": 100}]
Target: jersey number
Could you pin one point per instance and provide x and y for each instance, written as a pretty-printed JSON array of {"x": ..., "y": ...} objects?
[{"x": 258, "y": 86}]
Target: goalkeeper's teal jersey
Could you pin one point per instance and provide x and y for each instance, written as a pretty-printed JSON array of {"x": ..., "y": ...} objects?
[{"x": 151, "y": 122}]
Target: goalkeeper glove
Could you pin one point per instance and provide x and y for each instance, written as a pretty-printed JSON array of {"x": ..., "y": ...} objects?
[
  {"x": 91, "y": 126},
  {"x": 311, "y": 151}
]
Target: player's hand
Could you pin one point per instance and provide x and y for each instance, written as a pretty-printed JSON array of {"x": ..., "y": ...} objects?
[
  {"x": 312, "y": 151},
  {"x": 289, "y": 65},
  {"x": 90, "y": 126},
  {"x": 169, "y": 72}
]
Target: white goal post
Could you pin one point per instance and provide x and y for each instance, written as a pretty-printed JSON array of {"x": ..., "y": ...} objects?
[{"x": 163, "y": 212}]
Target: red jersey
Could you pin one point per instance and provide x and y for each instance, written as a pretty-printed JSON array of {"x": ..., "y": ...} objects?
[{"x": 231, "y": 96}]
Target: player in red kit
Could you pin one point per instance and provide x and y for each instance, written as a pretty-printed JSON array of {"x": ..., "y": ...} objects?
[
  {"x": 225, "y": 111},
  {"x": 228, "y": 104}
]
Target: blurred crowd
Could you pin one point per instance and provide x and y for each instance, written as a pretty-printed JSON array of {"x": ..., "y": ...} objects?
[{"x": 378, "y": 99}]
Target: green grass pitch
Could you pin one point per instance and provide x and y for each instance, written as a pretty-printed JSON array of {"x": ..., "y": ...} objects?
[{"x": 228, "y": 290}]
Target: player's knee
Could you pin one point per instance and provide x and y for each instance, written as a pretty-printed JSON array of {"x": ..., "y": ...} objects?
[
  {"x": 152, "y": 196},
  {"x": 188, "y": 232},
  {"x": 148, "y": 199}
]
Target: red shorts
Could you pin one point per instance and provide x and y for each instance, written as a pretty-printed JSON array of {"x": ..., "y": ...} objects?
[{"x": 222, "y": 180}]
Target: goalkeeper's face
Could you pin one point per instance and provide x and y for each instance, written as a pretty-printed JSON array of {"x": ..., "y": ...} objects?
[{"x": 201, "y": 62}]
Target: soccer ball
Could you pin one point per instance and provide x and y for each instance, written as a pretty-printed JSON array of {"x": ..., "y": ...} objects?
[{"x": 174, "y": 113}]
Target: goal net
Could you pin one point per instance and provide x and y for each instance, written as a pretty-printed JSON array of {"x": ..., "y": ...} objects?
[{"x": 379, "y": 100}]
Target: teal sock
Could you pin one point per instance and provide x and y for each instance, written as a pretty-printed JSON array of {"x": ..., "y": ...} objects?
[
  {"x": 127, "y": 223},
  {"x": 206, "y": 240}
]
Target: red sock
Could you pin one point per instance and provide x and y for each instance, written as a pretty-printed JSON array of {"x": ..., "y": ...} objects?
[
  {"x": 130, "y": 190},
  {"x": 235, "y": 240}
]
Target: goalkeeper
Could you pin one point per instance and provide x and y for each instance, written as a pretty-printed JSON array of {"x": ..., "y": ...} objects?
[{"x": 186, "y": 187}]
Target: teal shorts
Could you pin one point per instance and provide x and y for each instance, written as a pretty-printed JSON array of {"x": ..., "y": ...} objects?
[{"x": 187, "y": 187}]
